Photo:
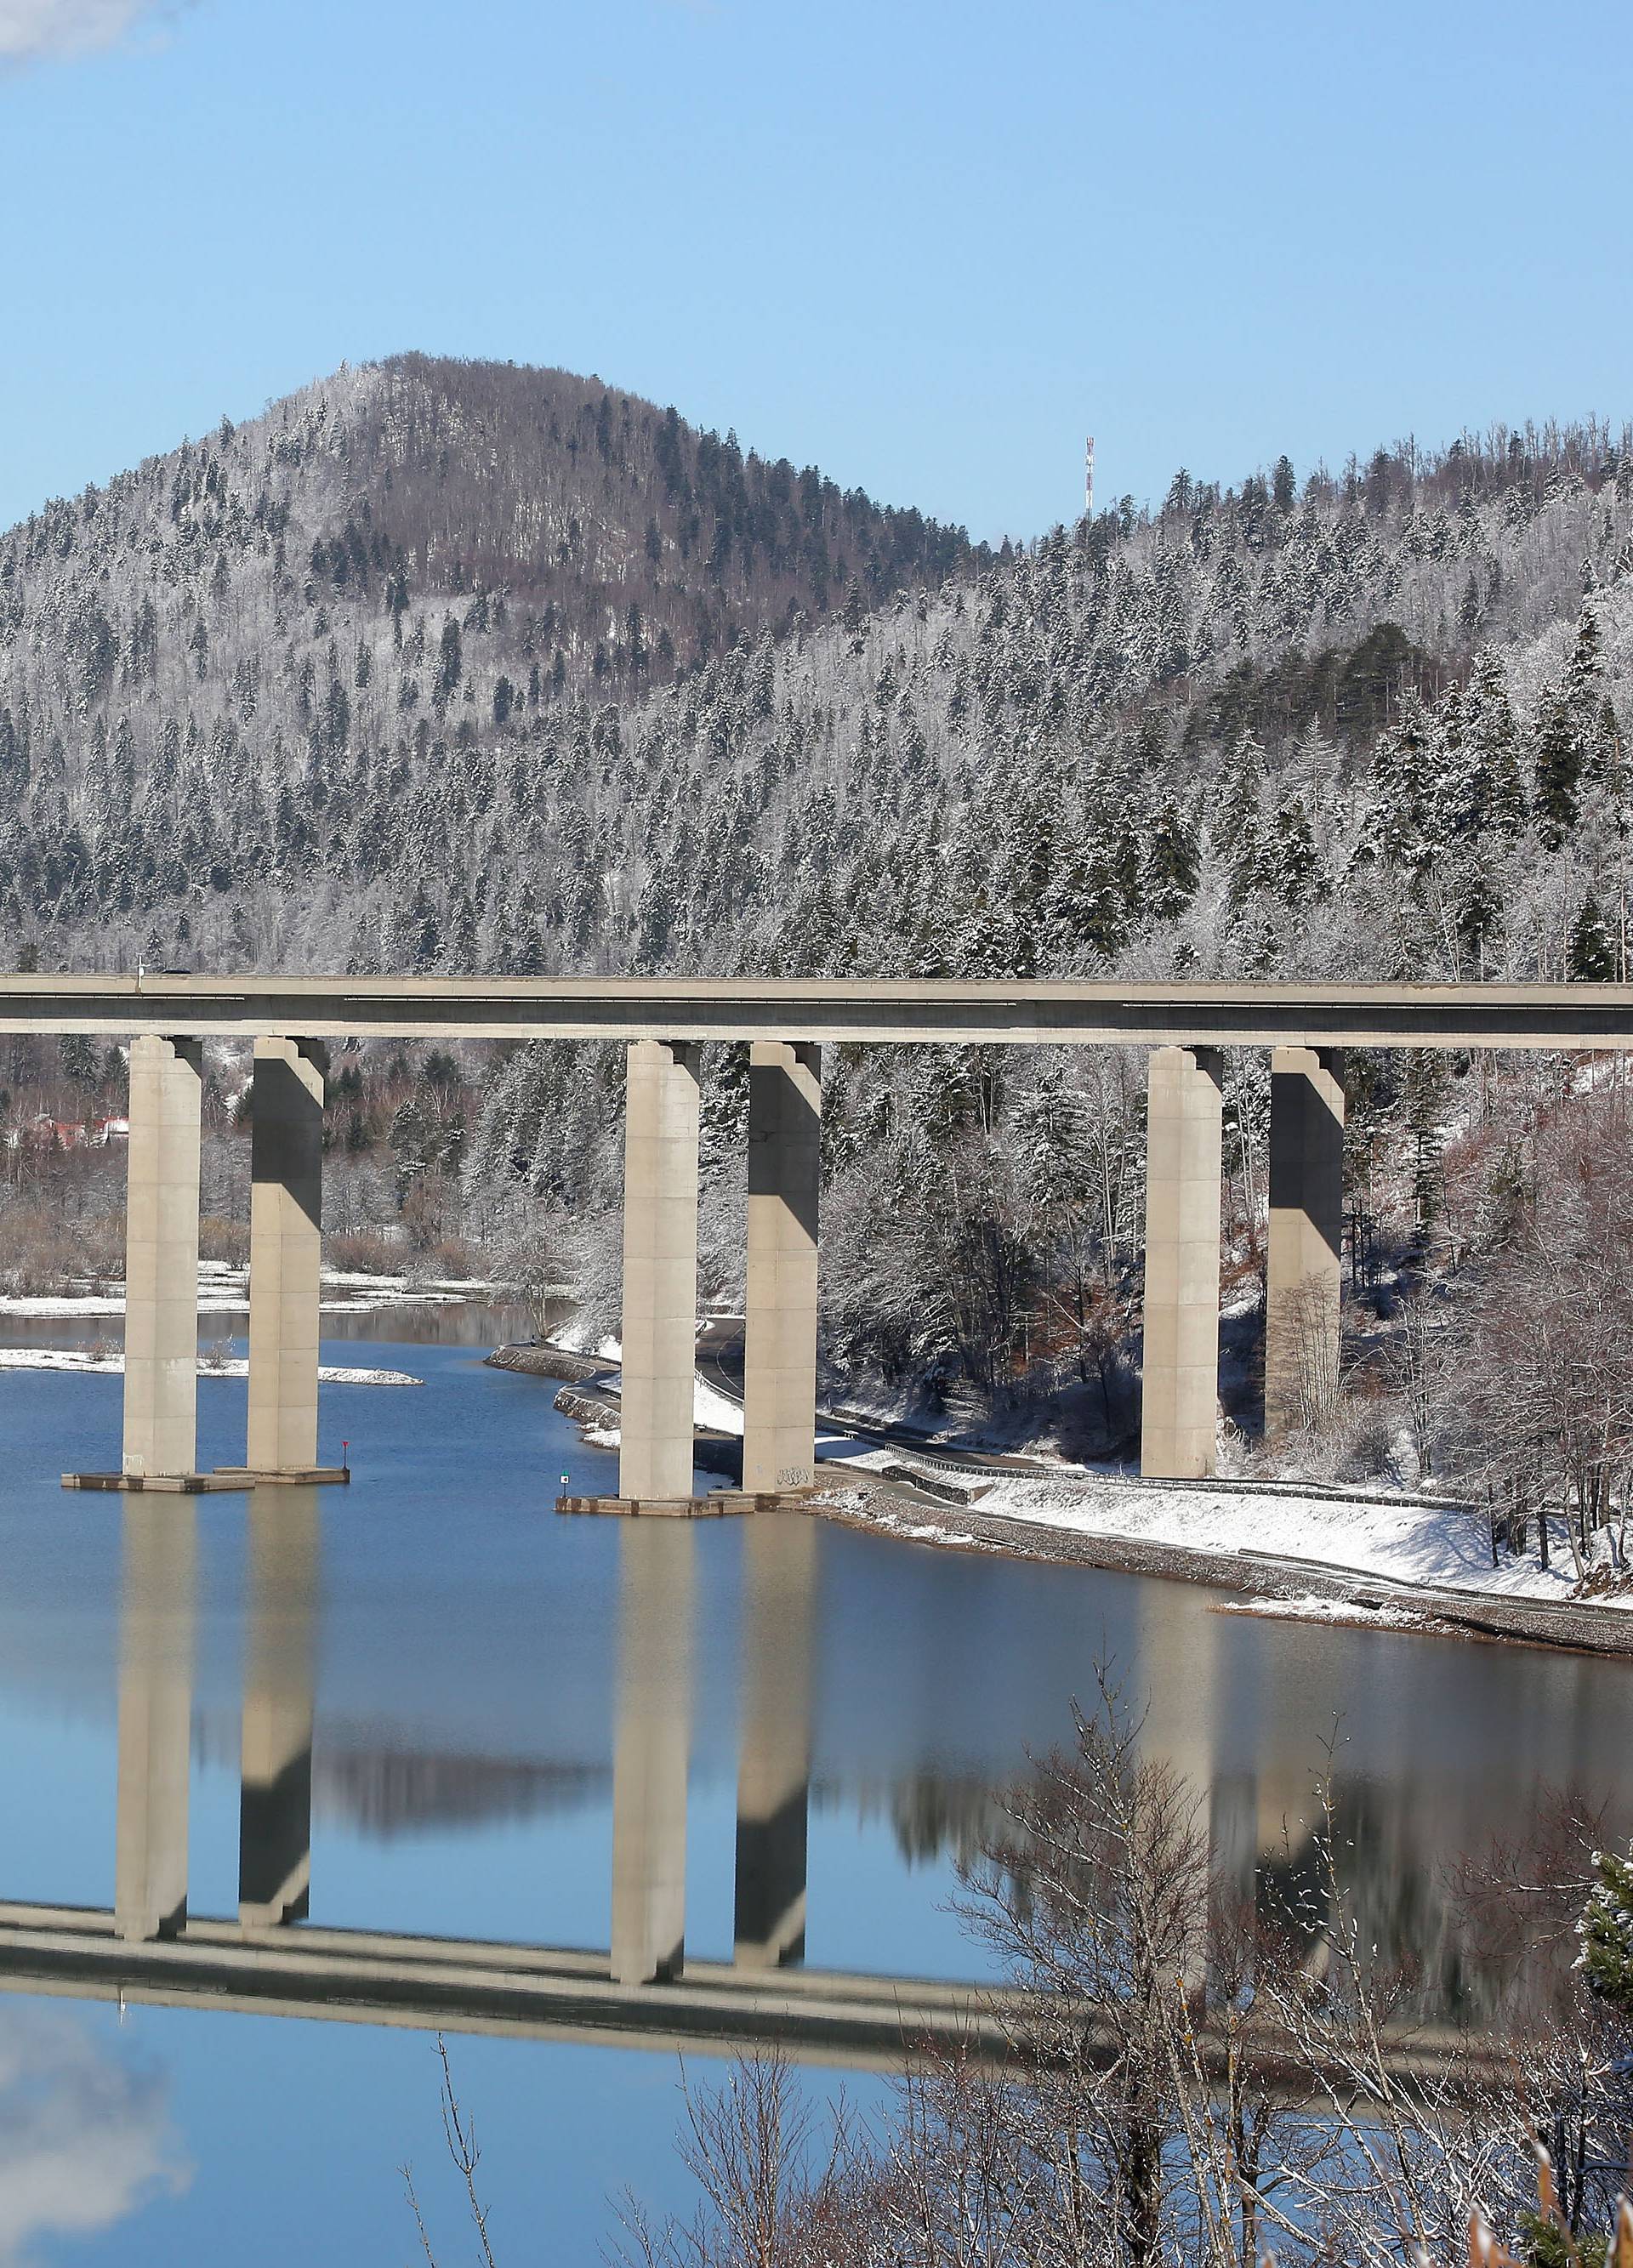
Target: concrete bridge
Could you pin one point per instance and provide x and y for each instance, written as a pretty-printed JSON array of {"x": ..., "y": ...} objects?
[{"x": 664, "y": 1021}]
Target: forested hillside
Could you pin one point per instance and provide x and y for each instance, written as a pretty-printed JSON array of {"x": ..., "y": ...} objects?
[
  {"x": 465, "y": 666},
  {"x": 405, "y": 560}
]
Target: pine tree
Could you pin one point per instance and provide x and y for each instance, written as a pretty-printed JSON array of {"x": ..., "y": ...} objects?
[
  {"x": 1558, "y": 773},
  {"x": 1592, "y": 954},
  {"x": 1170, "y": 875},
  {"x": 1479, "y": 910},
  {"x": 1493, "y": 791},
  {"x": 1297, "y": 871},
  {"x": 1607, "y": 1931}
]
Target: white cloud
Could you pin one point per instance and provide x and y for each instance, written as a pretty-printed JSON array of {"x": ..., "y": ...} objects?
[
  {"x": 84, "y": 2139},
  {"x": 30, "y": 29}
]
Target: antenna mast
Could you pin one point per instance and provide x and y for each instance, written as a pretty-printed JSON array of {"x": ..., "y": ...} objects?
[{"x": 1089, "y": 479}]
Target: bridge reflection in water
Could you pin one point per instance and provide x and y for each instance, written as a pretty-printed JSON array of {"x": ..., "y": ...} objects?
[{"x": 642, "y": 1989}]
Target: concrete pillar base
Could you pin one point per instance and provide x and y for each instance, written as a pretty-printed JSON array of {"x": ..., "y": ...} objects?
[{"x": 1179, "y": 1436}]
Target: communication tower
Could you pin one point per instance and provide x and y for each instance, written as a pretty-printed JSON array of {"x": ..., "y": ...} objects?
[{"x": 1089, "y": 479}]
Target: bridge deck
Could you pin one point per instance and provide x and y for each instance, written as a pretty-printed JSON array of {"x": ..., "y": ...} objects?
[
  {"x": 1563, "y": 1016},
  {"x": 350, "y": 1976}
]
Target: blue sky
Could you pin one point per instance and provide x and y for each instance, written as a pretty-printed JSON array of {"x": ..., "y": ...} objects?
[{"x": 927, "y": 247}]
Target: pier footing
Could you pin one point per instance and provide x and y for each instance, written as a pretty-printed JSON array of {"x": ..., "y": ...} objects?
[
  {"x": 719, "y": 1504},
  {"x": 223, "y": 1479}
]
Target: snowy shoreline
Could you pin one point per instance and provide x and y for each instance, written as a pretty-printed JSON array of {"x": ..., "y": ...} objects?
[
  {"x": 113, "y": 1366},
  {"x": 1231, "y": 1546},
  {"x": 224, "y": 1290},
  {"x": 1409, "y": 1543}
]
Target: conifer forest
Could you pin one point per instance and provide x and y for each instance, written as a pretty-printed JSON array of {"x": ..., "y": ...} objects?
[{"x": 465, "y": 666}]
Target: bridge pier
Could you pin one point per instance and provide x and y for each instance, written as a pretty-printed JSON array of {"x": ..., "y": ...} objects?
[
  {"x": 285, "y": 1252},
  {"x": 274, "y": 1798},
  {"x": 660, "y": 1270},
  {"x": 1302, "y": 1278},
  {"x": 774, "y": 1756},
  {"x": 162, "y": 1257},
  {"x": 155, "y": 1715},
  {"x": 779, "y": 1307},
  {"x": 1178, "y": 1437}
]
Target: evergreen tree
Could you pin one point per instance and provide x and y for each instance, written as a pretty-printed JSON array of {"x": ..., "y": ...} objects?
[
  {"x": 1494, "y": 785},
  {"x": 1297, "y": 871},
  {"x": 1606, "y": 1930},
  {"x": 1558, "y": 773},
  {"x": 1592, "y": 954},
  {"x": 1170, "y": 875},
  {"x": 1479, "y": 908}
]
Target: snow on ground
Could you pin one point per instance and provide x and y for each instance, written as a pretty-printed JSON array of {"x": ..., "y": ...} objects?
[
  {"x": 225, "y": 1291},
  {"x": 111, "y": 1366},
  {"x": 716, "y": 1410},
  {"x": 1308, "y": 1609},
  {"x": 1435, "y": 1545}
]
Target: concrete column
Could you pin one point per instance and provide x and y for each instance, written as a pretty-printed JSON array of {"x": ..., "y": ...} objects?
[
  {"x": 1178, "y": 1428},
  {"x": 1302, "y": 1289},
  {"x": 651, "y": 1750},
  {"x": 660, "y": 1270},
  {"x": 779, "y": 1333},
  {"x": 275, "y": 1801},
  {"x": 155, "y": 1715},
  {"x": 774, "y": 1758},
  {"x": 285, "y": 1241},
  {"x": 162, "y": 1257}
]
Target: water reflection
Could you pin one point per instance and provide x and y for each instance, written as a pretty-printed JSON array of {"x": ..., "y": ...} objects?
[
  {"x": 808, "y": 1728},
  {"x": 780, "y": 1555},
  {"x": 655, "y": 1606},
  {"x": 275, "y": 1803},
  {"x": 575, "y": 1686},
  {"x": 85, "y": 2138},
  {"x": 159, "y": 1579}
]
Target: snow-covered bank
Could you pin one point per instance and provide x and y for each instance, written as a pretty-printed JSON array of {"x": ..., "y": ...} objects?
[
  {"x": 225, "y": 1291},
  {"x": 111, "y": 1366},
  {"x": 1309, "y": 1609},
  {"x": 1439, "y": 1547}
]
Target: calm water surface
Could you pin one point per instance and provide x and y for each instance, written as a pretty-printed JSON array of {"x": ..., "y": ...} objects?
[{"x": 438, "y": 1685}]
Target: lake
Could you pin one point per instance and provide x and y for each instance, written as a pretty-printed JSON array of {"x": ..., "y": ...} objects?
[{"x": 447, "y": 1685}]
